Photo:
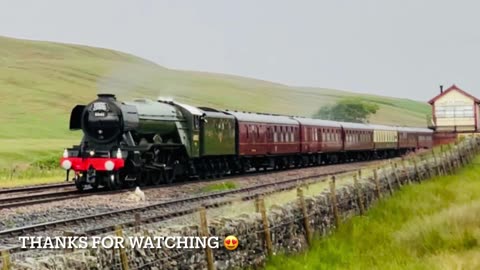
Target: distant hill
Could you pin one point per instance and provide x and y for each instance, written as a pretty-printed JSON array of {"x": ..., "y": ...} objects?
[{"x": 40, "y": 82}]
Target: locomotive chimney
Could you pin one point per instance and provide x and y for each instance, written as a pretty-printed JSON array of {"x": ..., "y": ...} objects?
[
  {"x": 107, "y": 96},
  {"x": 441, "y": 89}
]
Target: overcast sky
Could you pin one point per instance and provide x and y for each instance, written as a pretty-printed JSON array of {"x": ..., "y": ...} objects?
[{"x": 394, "y": 48}]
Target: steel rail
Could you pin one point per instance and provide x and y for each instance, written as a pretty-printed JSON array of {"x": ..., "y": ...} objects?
[
  {"x": 35, "y": 188},
  {"x": 266, "y": 188}
]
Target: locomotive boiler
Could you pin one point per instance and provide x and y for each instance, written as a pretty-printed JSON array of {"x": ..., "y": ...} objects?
[{"x": 124, "y": 142}]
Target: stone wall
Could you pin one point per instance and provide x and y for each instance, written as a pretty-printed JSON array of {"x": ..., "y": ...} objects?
[{"x": 286, "y": 223}]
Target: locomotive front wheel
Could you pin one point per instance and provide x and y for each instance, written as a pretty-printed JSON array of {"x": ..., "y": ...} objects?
[
  {"x": 94, "y": 185},
  {"x": 113, "y": 181},
  {"x": 78, "y": 183}
]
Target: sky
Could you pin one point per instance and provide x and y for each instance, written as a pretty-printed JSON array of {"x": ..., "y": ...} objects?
[{"x": 393, "y": 48}]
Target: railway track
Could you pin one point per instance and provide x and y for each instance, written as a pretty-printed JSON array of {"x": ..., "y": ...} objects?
[
  {"x": 35, "y": 188},
  {"x": 159, "y": 211},
  {"x": 32, "y": 199},
  {"x": 27, "y": 199}
]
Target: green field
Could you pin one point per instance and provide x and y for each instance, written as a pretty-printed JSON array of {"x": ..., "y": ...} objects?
[
  {"x": 40, "y": 82},
  {"x": 433, "y": 225}
]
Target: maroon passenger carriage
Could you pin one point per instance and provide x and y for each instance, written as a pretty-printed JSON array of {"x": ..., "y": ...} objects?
[
  {"x": 425, "y": 138},
  {"x": 358, "y": 141},
  {"x": 321, "y": 141},
  {"x": 407, "y": 138},
  {"x": 266, "y": 141}
]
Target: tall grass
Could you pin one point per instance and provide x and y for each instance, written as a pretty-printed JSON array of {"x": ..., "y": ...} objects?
[
  {"x": 41, "y": 171},
  {"x": 433, "y": 225}
]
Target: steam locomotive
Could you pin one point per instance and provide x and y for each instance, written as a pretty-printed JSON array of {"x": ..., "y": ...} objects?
[{"x": 146, "y": 142}]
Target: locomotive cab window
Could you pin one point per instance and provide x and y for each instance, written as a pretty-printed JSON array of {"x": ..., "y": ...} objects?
[{"x": 196, "y": 122}]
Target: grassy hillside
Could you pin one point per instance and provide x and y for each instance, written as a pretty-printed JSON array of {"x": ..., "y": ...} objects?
[
  {"x": 41, "y": 81},
  {"x": 433, "y": 225}
]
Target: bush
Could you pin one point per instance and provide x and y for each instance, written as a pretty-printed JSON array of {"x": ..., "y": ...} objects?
[{"x": 47, "y": 163}]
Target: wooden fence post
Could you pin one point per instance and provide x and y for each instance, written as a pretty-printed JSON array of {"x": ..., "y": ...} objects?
[
  {"x": 455, "y": 158},
  {"x": 451, "y": 159},
  {"x": 417, "y": 172},
  {"x": 472, "y": 146},
  {"x": 204, "y": 232},
  {"x": 405, "y": 169},
  {"x": 377, "y": 184},
  {"x": 437, "y": 164},
  {"x": 459, "y": 155},
  {"x": 428, "y": 167},
  {"x": 395, "y": 174},
  {"x": 306, "y": 222},
  {"x": 6, "y": 260},
  {"x": 389, "y": 185},
  {"x": 266, "y": 228},
  {"x": 448, "y": 162},
  {"x": 68, "y": 234},
  {"x": 469, "y": 151},
  {"x": 475, "y": 145},
  {"x": 333, "y": 198},
  {"x": 358, "y": 190},
  {"x": 123, "y": 254},
  {"x": 443, "y": 160},
  {"x": 138, "y": 221}
]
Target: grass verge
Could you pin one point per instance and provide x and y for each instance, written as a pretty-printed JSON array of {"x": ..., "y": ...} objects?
[
  {"x": 433, "y": 225},
  {"x": 20, "y": 182},
  {"x": 43, "y": 170},
  {"x": 228, "y": 185}
]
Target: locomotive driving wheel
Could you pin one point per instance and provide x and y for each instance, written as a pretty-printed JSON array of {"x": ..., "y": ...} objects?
[{"x": 156, "y": 178}]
